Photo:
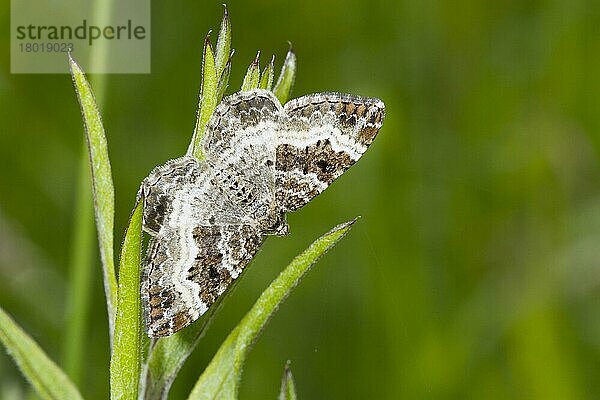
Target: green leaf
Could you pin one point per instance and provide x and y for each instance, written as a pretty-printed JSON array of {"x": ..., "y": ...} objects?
[
  {"x": 223, "y": 45},
  {"x": 285, "y": 82},
  {"x": 125, "y": 363},
  {"x": 221, "y": 378},
  {"x": 208, "y": 99},
  {"x": 252, "y": 75},
  {"x": 224, "y": 80},
  {"x": 102, "y": 184},
  {"x": 288, "y": 388},
  {"x": 266, "y": 79},
  {"x": 49, "y": 381}
]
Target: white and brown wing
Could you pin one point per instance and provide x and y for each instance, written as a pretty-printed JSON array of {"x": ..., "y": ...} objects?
[
  {"x": 200, "y": 243},
  {"x": 207, "y": 218},
  {"x": 321, "y": 136},
  {"x": 187, "y": 270},
  {"x": 239, "y": 144}
]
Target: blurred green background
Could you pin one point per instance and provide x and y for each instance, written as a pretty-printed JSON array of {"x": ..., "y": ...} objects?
[{"x": 475, "y": 270}]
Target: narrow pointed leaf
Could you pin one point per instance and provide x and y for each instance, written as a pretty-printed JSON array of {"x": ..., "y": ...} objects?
[
  {"x": 102, "y": 184},
  {"x": 221, "y": 378},
  {"x": 208, "y": 99},
  {"x": 266, "y": 79},
  {"x": 252, "y": 75},
  {"x": 224, "y": 80},
  {"x": 125, "y": 363},
  {"x": 285, "y": 82},
  {"x": 48, "y": 380},
  {"x": 288, "y": 387},
  {"x": 223, "y": 45}
]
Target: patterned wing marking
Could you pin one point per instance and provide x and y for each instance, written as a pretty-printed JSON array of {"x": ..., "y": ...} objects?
[
  {"x": 185, "y": 189},
  {"x": 159, "y": 189},
  {"x": 322, "y": 135},
  {"x": 207, "y": 218},
  {"x": 237, "y": 118},
  {"x": 240, "y": 145},
  {"x": 186, "y": 270}
]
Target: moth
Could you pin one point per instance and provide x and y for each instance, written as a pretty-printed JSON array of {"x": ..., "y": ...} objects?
[{"x": 208, "y": 217}]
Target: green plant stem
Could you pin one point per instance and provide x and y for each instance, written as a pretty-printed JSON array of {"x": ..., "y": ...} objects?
[
  {"x": 126, "y": 360},
  {"x": 80, "y": 282}
]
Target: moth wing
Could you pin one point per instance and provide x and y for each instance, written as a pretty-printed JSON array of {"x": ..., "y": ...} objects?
[
  {"x": 321, "y": 136},
  {"x": 199, "y": 244},
  {"x": 185, "y": 189},
  {"x": 187, "y": 269},
  {"x": 240, "y": 145}
]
